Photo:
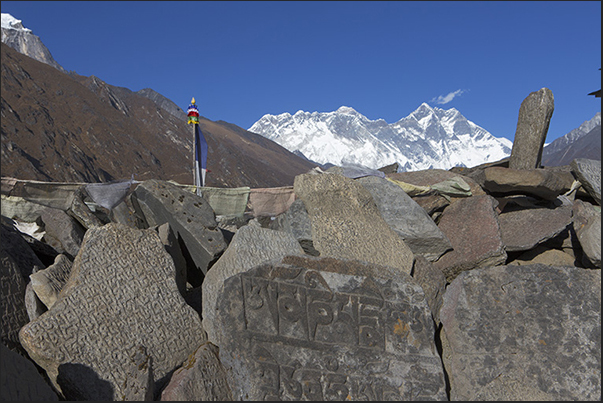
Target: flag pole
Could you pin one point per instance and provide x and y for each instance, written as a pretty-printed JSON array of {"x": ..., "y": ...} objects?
[{"x": 199, "y": 148}]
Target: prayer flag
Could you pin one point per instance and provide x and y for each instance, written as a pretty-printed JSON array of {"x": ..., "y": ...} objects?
[{"x": 200, "y": 158}]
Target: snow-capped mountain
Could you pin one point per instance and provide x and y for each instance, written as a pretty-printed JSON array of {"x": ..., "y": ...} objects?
[
  {"x": 427, "y": 138},
  {"x": 22, "y": 39}
]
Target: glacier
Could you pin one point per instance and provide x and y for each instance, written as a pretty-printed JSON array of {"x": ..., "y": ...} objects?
[{"x": 428, "y": 138}]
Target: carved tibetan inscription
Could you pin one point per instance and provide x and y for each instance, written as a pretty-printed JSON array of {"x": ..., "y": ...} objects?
[{"x": 291, "y": 333}]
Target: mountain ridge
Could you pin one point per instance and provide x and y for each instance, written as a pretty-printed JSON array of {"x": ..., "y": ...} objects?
[{"x": 427, "y": 138}]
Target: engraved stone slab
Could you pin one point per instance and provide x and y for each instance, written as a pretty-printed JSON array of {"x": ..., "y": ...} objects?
[
  {"x": 20, "y": 380},
  {"x": 312, "y": 328},
  {"x": 407, "y": 218},
  {"x": 190, "y": 217},
  {"x": 346, "y": 223},
  {"x": 588, "y": 173},
  {"x": 201, "y": 378},
  {"x": 528, "y": 333},
  {"x": 535, "y": 115},
  {"x": 250, "y": 246},
  {"x": 121, "y": 294}
]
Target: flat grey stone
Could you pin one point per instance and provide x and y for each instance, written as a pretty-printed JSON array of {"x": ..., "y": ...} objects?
[
  {"x": 310, "y": 328},
  {"x": 346, "y": 222},
  {"x": 523, "y": 333},
  {"x": 543, "y": 183},
  {"x": 190, "y": 217},
  {"x": 471, "y": 225},
  {"x": 250, "y": 246},
  {"x": 533, "y": 122},
  {"x": 526, "y": 228},
  {"x": 588, "y": 173},
  {"x": 121, "y": 294},
  {"x": 409, "y": 220}
]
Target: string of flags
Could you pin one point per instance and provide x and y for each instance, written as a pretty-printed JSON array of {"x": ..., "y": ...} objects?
[{"x": 200, "y": 147}]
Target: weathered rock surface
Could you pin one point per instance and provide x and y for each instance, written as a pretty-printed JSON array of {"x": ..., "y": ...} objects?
[
  {"x": 523, "y": 333},
  {"x": 63, "y": 232},
  {"x": 201, "y": 378},
  {"x": 407, "y": 218},
  {"x": 544, "y": 183},
  {"x": 49, "y": 282},
  {"x": 346, "y": 222},
  {"x": 472, "y": 226},
  {"x": 588, "y": 172},
  {"x": 524, "y": 229},
  {"x": 249, "y": 247},
  {"x": 533, "y": 122},
  {"x": 189, "y": 216},
  {"x": 121, "y": 294},
  {"x": 312, "y": 328}
]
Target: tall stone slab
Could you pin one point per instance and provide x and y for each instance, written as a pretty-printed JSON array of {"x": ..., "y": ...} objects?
[
  {"x": 346, "y": 222},
  {"x": 250, "y": 246},
  {"x": 530, "y": 332},
  {"x": 409, "y": 220},
  {"x": 190, "y": 217},
  {"x": 121, "y": 295},
  {"x": 310, "y": 328},
  {"x": 472, "y": 226},
  {"x": 535, "y": 115}
]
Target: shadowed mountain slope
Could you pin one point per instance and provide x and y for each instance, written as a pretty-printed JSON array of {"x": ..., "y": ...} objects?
[{"x": 70, "y": 128}]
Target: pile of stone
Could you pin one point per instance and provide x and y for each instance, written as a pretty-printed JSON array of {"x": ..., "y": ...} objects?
[{"x": 476, "y": 283}]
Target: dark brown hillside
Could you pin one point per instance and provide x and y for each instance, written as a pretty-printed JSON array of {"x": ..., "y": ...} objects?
[{"x": 69, "y": 128}]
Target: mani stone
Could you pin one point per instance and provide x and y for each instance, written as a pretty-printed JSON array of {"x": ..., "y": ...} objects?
[
  {"x": 310, "y": 328},
  {"x": 346, "y": 223},
  {"x": 527, "y": 333},
  {"x": 201, "y": 378},
  {"x": 121, "y": 294},
  {"x": 20, "y": 380},
  {"x": 249, "y": 247},
  {"x": 526, "y": 228},
  {"x": 409, "y": 220},
  {"x": 49, "y": 282},
  {"x": 535, "y": 115},
  {"x": 472, "y": 226},
  {"x": 588, "y": 173},
  {"x": 190, "y": 216}
]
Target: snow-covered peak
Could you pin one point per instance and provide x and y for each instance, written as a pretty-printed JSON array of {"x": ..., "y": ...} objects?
[
  {"x": 347, "y": 110},
  {"x": 10, "y": 22}
]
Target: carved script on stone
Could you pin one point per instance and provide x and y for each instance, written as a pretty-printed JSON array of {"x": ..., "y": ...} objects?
[{"x": 300, "y": 334}]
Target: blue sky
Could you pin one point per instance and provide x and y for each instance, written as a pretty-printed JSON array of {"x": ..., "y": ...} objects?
[{"x": 241, "y": 60}]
